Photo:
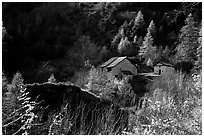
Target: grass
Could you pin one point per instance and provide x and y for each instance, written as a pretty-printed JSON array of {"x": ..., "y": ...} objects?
[{"x": 174, "y": 107}]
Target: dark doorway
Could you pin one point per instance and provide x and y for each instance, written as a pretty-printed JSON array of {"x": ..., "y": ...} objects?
[{"x": 159, "y": 71}]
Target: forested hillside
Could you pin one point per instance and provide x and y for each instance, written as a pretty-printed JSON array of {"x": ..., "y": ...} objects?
[
  {"x": 45, "y": 38},
  {"x": 53, "y": 82}
]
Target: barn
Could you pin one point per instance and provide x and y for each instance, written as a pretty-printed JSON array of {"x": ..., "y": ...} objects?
[
  {"x": 163, "y": 68},
  {"x": 119, "y": 65}
]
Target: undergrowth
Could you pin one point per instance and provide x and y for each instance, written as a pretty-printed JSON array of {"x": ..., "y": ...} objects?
[{"x": 174, "y": 107}]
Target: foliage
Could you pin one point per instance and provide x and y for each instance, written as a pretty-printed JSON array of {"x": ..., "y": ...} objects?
[
  {"x": 148, "y": 49},
  {"x": 173, "y": 108},
  {"x": 40, "y": 32},
  {"x": 3, "y": 31},
  {"x": 139, "y": 24},
  {"x": 101, "y": 84},
  {"x": 126, "y": 39},
  {"x": 66, "y": 39},
  {"x": 4, "y": 83},
  {"x": 52, "y": 79},
  {"x": 17, "y": 80},
  {"x": 107, "y": 86},
  {"x": 18, "y": 109},
  {"x": 186, "y": 51},
  {"x": 123, "y": 46},
  {"x": 78, "y": 122},
  {"x": 199, "y": 51},
  {"x": 83, "y": 51}
]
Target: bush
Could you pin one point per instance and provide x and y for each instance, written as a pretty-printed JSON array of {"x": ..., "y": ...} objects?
[
  {"x": 107, "y": 86},
  {"x": 171, "y": 109}
]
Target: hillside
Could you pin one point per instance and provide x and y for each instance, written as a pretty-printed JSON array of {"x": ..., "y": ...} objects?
[{"x": 91, "y": 68}]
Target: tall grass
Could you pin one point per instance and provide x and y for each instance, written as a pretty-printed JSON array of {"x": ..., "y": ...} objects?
[
  {"x": 86, "y": 120},
  {"x": 174, "y": 107}
]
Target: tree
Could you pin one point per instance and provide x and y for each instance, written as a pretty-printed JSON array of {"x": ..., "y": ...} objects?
[
  {"x": 52, "y": 79},
  {"x": 18, "y": 108},
  {"x": 149, "y": 62},
  {"x": 199, "y": 51},
  {"x": 3, "y": 31},
  {"x": 166, "y": 53},
  {"x": 84, "y": 50},
  {"x": 139, "y": 24},
  {"x": 186, "y": 50},
  {"x": 152, "y": 29},
  {"x": 17, "y": 80},
  {"x": 124, "y": 47},
  {"x": 4, "y": 83},
  {"x": 122, "y": 32},
  {"x": 147, "y": 50}
]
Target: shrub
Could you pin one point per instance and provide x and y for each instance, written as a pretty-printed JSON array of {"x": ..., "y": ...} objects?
[
  {"x": 107, "y": 86},
  {"x": 171, "y": 109}
]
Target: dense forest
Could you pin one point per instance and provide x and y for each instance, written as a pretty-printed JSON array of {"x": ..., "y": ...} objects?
[
  {"x": 50, "y": 42},
  {"x": 45, "y": 38}
]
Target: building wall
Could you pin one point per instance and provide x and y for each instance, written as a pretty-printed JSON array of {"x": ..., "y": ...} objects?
[
  {"x": 169, "y": 70},
  {"x": 164, "y": 70},
  {"x": 124, "y": 65}
]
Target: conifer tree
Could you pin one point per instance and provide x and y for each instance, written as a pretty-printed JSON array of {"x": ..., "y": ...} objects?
[
  {"x": 124, "y": 46},
  {"x": 136, "y": 26},
  {"x": 17, "y": 80},
  {"x": 149, "y": 62},
  {"x": 147, "y": 50},
  {"x": 18, "y": 109},
  {"x": 166, "y": 52},
  {"x": 121, "y": 34},
  {"x": 152, "y": 29},
  {"x": 52, "y": 79},
  {"x": 186, "y": 50},
  {"x": 139, "y": 24},
  {"x": 4, "y": 82}
]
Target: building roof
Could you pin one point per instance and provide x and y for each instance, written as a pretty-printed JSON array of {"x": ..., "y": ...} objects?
[
  {"x": 115, "y": 62},
  {"x": 164, "y": 64},
  {"x": 108, "y": 62},
  {"x": 112, "y": 62}
]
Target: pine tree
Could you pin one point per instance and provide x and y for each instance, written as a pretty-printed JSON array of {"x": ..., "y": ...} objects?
[
  {"x": 17, "y": 80},
  {"x": 4, "y": 82},
  {"x": 186, "y": 50},
  {"x": 149, "y": 62},
  {"x": 52, "y": 79},
  {"x": 152, "y": 29},
  {"x": 122, "y": 32},
  {"x": 166, "y": 53},
  {"x": 147, "y": 50},
  {"x": 18, "y": 109},
  {"x": 116, "y": 40},
  {"x": 3, "y": 31},
  {"x": 124, "y": 46},
  {"x": 139, "y": 24}
]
